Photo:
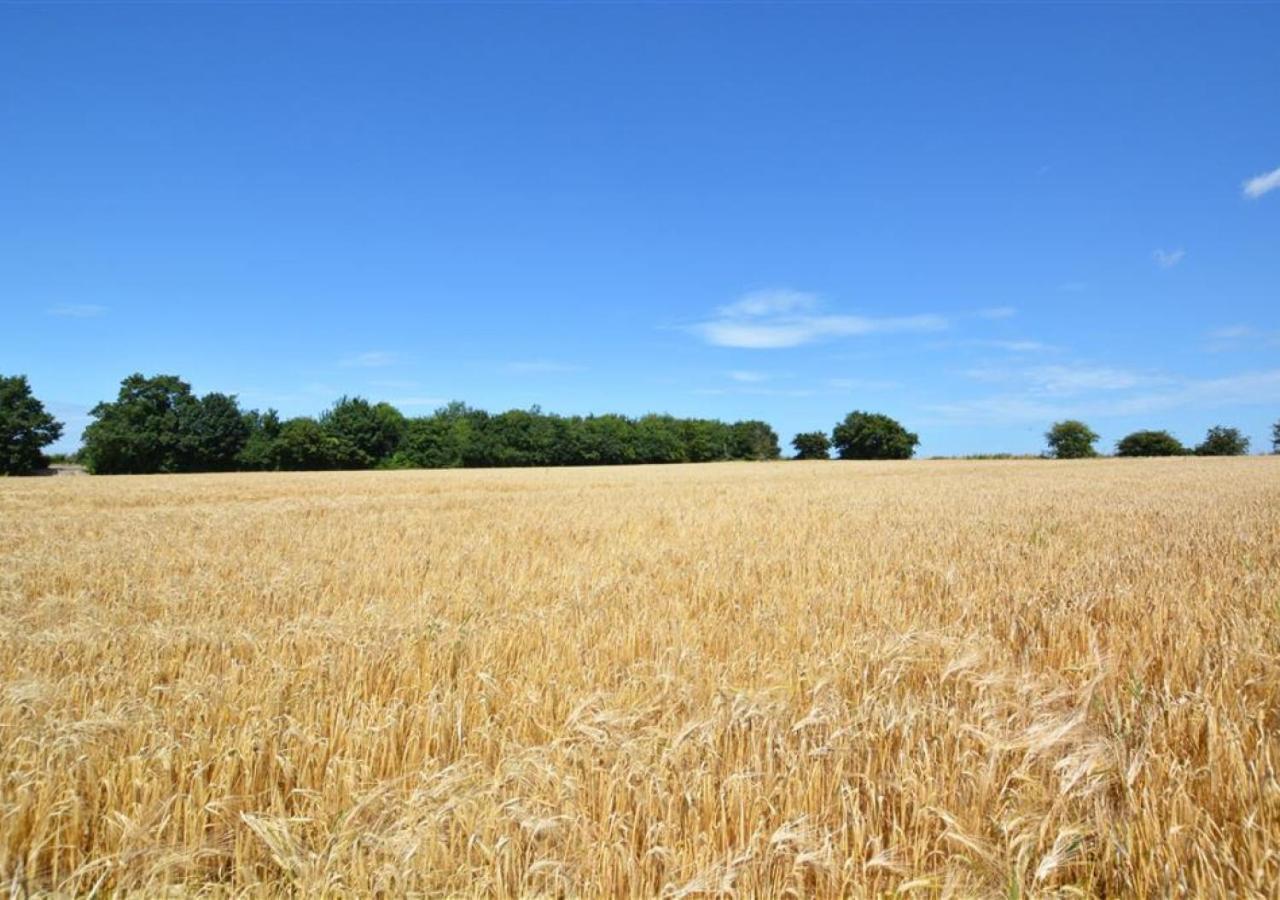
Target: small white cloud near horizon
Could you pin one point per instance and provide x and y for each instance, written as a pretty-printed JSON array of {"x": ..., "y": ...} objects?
[
  {"x": 373, "y": 359},
  {"x": 77, "y": 310},
  {"x": 749, "y": 377},
  {"x": 1167, "y": 259},
  {"x": 1255, "y": 187},
  {"x": 783, "y": 318},
  {"x": 539, "y": 367}
]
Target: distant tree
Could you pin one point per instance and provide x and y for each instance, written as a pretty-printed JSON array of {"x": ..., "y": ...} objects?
[
  {"x": 753, "y": 439},
  {"x": 864, "y": 435},
  {"x": 259, "y": 451},
  {"x": 1223, "y": 441},
  {"x": 305, "y": 444},
  {"x": 1071, "y": 439},
  {"x": 25, "y": 427},
  {"x": 1275, "y": 438},
  {"x": 213, "y": 432},
  {"x": 141, "y": 431},
  {"x": 364, "y": 433},
  {"x": 1149, "y": 443},
  {"x": 812, "y": 445}
]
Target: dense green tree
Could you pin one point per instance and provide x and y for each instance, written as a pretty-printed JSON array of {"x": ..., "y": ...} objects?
[
  {"x": 1071, "y": 439},
  {"x": 141, "y": 431},
  {"x": 304, "y": 444},
  {"x": 213, "y": 432},
  {"x": 1149, "y": 443},
  {"x": 753, "y": 439},
  {"x": 1275, "y": 438},
  {"x": 658, "y": 440},
  {"x": 25, "y": 427},
  {"x": 864, "y": 435},
  {"x": 1223, "y": 441},
  {"x": 812, "y": 445},
  {"x": 607, "y": 440},
  {"x": 363, "y": 432},
  {"x": 259, "y": 451}
]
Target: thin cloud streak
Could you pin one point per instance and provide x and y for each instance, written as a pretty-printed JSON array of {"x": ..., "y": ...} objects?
[
  {"x": 1261, "y": 184},
  {"x": 77, "y": 310},
  {"x": 373, "y": 359}
]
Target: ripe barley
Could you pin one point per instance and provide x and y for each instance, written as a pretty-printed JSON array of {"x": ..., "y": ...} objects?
[{"x": 827, "y": 679}]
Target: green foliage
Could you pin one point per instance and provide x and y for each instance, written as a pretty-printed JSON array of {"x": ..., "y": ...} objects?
[
  {"x": 304, "y": 444},
  {"x": 213, "y": 432},
  {"x": 864, "y": 435},
  {"x": 756, "y": 440},
  {"x": 1223, "y": 441},
  {"x": 1275, "y": 438},
  {"x": 25, "y": 427},
  {"x": 1071, "y": 439},
  {"x": 1149, "y": 443},
  {"x": 363, "y": 432},
  {"x": 157, "y": 425},
  {"x": 259, "y": 451},
  {"x": 141, "y": 431},
  {"x": 812, "y": 445}
]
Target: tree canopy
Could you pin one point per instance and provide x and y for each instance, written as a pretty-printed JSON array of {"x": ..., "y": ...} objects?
[
  {"x": 156, "y": 424},
  {"x": 25, "y": 427},
  {"x": 812, "y": 445},
  {"x": 1149, "y": 443},
  {"x": 864, "y": 435},
  {"x": 1223, "y": 441},
  {"x": 1071, "y": 439}
]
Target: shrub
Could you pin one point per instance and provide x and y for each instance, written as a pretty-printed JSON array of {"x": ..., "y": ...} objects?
[{"x": 1149, "y": 443}]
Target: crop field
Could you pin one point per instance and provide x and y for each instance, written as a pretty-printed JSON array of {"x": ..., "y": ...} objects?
[{"x": 808, "y": 679}]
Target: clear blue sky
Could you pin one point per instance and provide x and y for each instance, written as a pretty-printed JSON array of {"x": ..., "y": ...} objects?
[{"x": 977, "y": 219}]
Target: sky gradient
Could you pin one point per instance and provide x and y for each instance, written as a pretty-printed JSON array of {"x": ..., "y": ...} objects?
[{"x": 978, "y": 219}]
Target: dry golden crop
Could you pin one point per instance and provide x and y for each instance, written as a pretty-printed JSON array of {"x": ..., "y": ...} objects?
[{"x": 975, "y": 679}]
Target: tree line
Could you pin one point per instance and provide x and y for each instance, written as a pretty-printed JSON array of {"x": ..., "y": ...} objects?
[
  {"x": 1073, "y": 439},
  {"x": 157, "y": 424}
]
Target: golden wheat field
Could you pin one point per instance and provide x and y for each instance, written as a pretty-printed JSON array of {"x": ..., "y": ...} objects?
[{"x": 806, "y": 679}]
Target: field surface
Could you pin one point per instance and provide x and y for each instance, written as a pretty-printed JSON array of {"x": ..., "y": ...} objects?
[{"x": 822, "y": 679}]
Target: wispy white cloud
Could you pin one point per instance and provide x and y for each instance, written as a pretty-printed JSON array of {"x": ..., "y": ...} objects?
[
  {"x": 1167, "y": 259},
  {"x": 1067, "y": 380},
  {"x": 539, "y": 367},
  {"x": 749, "y": 377},
  {"x": 780, "y": 301},
  {"x": 1244, "y": 389},
  {"x": 373, "y": 359},
  {"x": 1261, "y": 184},
  {"x": 770, "y": 320},
  {"x": 997, "y": 312},
  {"x": 77, "y": 310},
  {"x": 1241, "y": 337},
  {"x": 404, "y": 402},
  {"x": 755, "y": 392},
  {"x": 861, "y": 384}
]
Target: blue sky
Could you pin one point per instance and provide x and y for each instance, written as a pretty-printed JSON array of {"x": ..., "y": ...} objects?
[{"x": 978, "y": 219}]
